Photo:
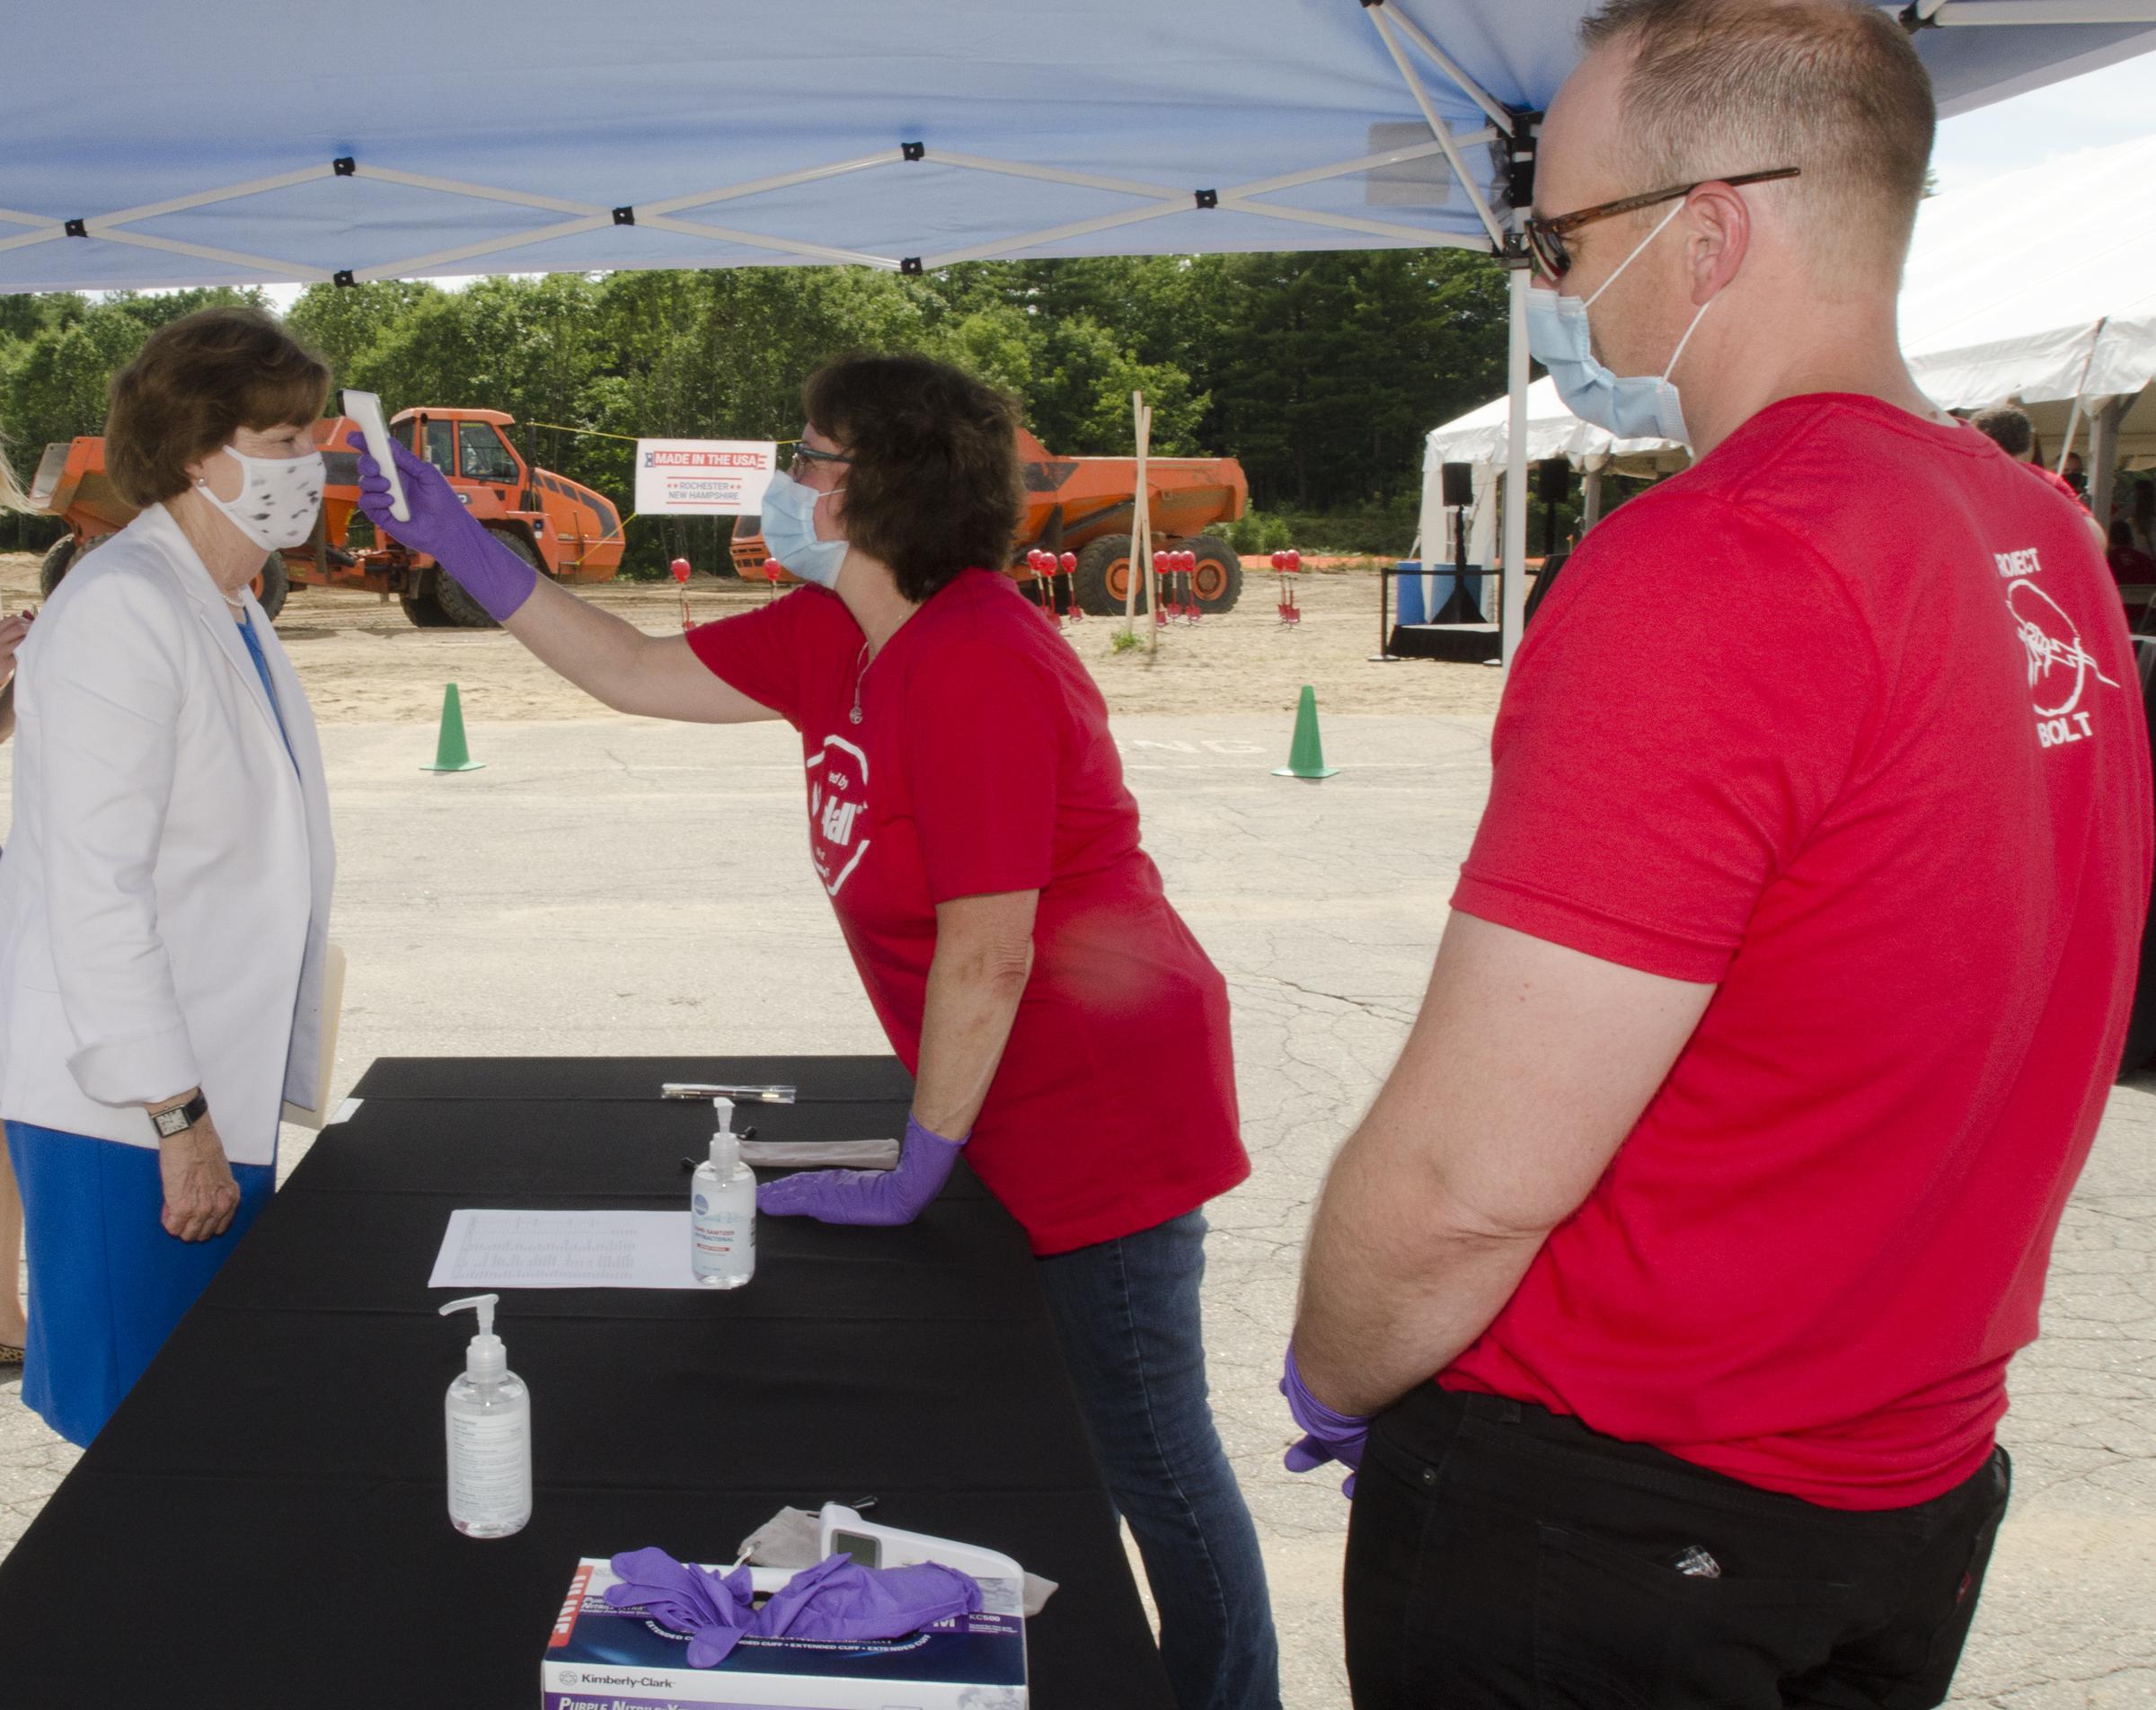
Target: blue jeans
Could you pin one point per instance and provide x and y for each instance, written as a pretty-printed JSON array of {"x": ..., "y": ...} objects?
[{"x": 1126, "y": 1312}]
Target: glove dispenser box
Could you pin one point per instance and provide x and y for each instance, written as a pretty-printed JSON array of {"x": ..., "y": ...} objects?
[{"x": 602, "y": 1658}]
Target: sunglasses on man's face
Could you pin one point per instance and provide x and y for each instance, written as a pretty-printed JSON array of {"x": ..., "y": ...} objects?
[{"x": 1546, "y": 237}]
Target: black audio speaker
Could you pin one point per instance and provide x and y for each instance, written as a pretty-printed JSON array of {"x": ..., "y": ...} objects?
[
  {"x": 1552, "y": 481},
  {"x": 1459, "y": 483}
]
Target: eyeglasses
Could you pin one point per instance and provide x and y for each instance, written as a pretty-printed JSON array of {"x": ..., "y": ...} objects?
[
  {"x": 805, "y": 457},
  {"x": 1546, "y": 238}
]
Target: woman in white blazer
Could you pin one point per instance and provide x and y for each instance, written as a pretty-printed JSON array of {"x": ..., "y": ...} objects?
[{"x": 164, "y": 898}]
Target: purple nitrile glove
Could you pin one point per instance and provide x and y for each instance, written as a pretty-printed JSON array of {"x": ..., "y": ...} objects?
[
  {"x": 838, "y": 1599},
  {"x": 714, "y": 1609},
  {"x": 1329, "y": 1435},
  {"x": 442, "y": 528},
  {"x": 881, "y": 1198}
]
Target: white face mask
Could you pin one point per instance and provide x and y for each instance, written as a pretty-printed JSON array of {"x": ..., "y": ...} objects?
[
  {"x": 279, "y": 497},
  {"x": 1630, "y": 406}
]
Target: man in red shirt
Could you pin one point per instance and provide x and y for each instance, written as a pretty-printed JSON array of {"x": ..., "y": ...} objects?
[{"x": 1664, "y": 1296}]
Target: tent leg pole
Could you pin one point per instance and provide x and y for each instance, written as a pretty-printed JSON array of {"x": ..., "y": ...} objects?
[
  {"x": 1590, "y": 507},
  {"x": 1512, "y": 586},
  {"x": 2103, "y": 456}
]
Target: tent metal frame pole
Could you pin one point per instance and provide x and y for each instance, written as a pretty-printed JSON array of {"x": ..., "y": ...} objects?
[
  {"x": 666, "y": 215},
  {"x": 2104, "y": 424},
  {"x": 1512, "y": 586},
  {"x": 1993, "y": 13},
  {"x": 1445, "y": 63},
  {"x": 1437, "y": 126}
]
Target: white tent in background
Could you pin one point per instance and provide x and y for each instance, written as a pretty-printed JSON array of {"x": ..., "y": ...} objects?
[
  {"x": 2038, "y": 286},
  {"x": 1480, "y": 439},
  {"x": 287, "y": 142}
]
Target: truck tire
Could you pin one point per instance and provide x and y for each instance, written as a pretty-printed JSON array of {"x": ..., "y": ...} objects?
[
  {"x": 420, "y": 608},
  {"x": 458, "y": 606},
  {"x": 272, "y": 586},
  {"x": 1103, "y": 577},
  {"x": 59, "y": 558},
  {"x": 1218, "y": 579}
]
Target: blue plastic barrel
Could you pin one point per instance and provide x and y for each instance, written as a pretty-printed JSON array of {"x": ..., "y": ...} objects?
[{"x": 1406, "y": 589}]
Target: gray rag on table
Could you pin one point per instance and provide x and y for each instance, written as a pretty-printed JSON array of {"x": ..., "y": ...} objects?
[
  {"x": 821, "y": 1154},
  {"x": 792, "y": 1537}
]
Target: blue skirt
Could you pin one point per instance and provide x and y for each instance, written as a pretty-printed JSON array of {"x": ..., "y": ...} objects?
[{"x": 107, "y": 1284}]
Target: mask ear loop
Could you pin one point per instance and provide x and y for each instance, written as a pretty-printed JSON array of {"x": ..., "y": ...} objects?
[
  {"x": 1635, "y": 255},
  {"x": 1686, "y": 340}
]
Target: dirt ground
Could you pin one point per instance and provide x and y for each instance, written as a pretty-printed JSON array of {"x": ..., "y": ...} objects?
[{"x": 363, "y": 662}]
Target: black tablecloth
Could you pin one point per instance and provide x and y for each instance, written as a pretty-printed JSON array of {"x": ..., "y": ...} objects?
[{"x": 263, "y": 1521}]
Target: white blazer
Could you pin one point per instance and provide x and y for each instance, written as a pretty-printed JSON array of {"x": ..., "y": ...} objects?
[{"x": 164, "y": 894}]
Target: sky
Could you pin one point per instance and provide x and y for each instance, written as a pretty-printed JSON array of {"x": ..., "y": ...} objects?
[{"x": 2109, "y": 106}]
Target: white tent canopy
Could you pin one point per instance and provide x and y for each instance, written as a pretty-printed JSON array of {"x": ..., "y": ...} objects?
[
  {"x": 266, "y": 142},
  {"x": 2037, "y": 285},
  {"x": 2040, "y": 285}
]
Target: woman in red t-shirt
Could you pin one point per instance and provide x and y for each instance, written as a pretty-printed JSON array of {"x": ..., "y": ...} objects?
[{"x": 968, "y": 819}]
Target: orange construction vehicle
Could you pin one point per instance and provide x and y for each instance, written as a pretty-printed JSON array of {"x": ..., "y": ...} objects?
[
  {"x": 1086, "y": 505},
  {"x": 564, "y": 530}
]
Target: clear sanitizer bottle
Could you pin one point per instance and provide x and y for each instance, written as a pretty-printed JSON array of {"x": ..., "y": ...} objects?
[
  {"x": 722, "y": 1210},
  {"x": 487, "y": 1414}
]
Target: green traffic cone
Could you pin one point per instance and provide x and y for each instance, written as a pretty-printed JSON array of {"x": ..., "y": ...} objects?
[
  {"x": 1306, "y": 753},
  {"x": 450, "y": 755}
]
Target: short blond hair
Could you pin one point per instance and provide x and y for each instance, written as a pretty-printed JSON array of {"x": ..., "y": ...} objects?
[{"x": 1832, "y": 87}]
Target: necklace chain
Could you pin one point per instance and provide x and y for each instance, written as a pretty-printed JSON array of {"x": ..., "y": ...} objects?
[{"x": 861, "y": 671}]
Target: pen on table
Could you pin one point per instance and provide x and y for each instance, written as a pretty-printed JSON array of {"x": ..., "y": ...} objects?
[{"x": 703, "y": 1089}]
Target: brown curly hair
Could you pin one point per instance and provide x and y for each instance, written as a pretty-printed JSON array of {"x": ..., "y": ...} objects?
[
  {"x": 935, "y": 486},
  {"x": 196, "y": 380}
]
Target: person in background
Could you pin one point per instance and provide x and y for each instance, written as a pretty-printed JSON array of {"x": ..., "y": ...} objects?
[
  {"x": 2129, "y": 564},
  {"x": 164, "y": 896},
  {"x": 968, "y": 819},
  {"x": 1666, "y": 1295},
  {"x": 2075, "y": 477},
  {"x": 2143, "y": 515},
  {"x": 2010, "y": 429},
  {"x": 15, "y": 1328}
]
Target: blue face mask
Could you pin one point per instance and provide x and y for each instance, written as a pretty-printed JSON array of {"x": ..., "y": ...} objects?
[
  {"x": 790, "y": 532},
  {"x": 1631, "y": 406}
]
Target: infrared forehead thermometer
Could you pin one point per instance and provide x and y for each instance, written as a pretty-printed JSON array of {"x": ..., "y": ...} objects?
[
  {"x": 841, "y": 1531},
  {"x": 366, "y": 409}
]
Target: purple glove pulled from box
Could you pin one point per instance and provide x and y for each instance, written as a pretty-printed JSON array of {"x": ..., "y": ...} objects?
[
  {"x": 838, "y": 1599},
  {"x": 442, "y": 528},
  {"x": 714, "y": 1609},
  {"x": 1329, "y": 1435},
  {"x": 879, "y": 1198}
]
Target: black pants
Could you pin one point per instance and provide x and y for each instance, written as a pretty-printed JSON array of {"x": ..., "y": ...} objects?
[{"x": 1500, "y": 1555}]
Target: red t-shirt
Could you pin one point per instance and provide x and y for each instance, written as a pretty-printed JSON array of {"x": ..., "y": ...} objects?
[
  {"x": 2057, "y": 482},
  {"x": 982, "y": 763},
  {"x": 1845, "y": 721}
]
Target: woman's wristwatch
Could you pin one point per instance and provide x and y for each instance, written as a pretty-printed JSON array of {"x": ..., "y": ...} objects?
[{"x": 177, "y": 1119}]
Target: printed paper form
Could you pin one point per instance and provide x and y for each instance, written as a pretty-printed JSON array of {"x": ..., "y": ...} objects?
[{"x": 565, "y": 1250}]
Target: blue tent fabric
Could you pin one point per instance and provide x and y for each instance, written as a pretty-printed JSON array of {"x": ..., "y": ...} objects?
[{"x": 492, "y": 137}]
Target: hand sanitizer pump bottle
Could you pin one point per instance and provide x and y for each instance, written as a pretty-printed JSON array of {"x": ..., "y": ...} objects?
[
  {"x": 722, "y": 1210},
  {"x": 487, "y": 1414}
]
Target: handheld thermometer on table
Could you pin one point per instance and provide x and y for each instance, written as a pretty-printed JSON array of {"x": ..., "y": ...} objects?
[
  {"x": 366, "y": 409},
  {"x": 841, "y": 1531}
]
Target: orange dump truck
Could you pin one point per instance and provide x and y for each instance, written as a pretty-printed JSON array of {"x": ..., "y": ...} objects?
[
  {"x": 567, "y": 531},
  {"x": 1086, "y": 505}
]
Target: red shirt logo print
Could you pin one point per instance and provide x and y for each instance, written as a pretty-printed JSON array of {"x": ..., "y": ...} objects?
[
  {"x": 2059, "y": 667},
  {"x": 838, "y": 807}
]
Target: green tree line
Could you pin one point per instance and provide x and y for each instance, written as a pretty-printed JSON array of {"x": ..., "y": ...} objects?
[{"x": 1320, "y": 372}]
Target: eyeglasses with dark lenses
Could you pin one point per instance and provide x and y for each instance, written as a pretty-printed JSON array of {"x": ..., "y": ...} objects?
[
  {"x": 805, "y": 457},
  {"x": 1546, "y": 237}
]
